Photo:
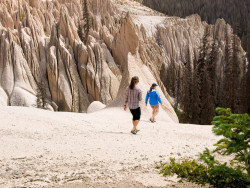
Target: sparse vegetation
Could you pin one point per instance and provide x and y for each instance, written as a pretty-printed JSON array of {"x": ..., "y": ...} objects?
[
  {"x": 84, "y": 23},
  {"x": 65, "y": 1},
  {"x": 235, "y": 128},
  {"x": 190, "y": 170},
  {"x": 46, "y": 32},
  {"x": 22, "y": 15},
  {"x": 79, "y": 30},
  {"x": 42, "y": 98},
  {"x": 140, "y": 1}
]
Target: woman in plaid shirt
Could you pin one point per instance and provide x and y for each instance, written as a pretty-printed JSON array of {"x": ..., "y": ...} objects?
[{"x": 133, "y": 96}]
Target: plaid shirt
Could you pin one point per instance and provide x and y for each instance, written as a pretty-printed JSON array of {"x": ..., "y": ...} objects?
[{"x": 133, "y": 97}]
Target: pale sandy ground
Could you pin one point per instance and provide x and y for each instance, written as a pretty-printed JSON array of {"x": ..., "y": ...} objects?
[
  {"x": 134, "y": 7},
  {"x": 150, "y": 23},
  {"x": 43, "y": 148},
  {"x": 142, "y": 15}
]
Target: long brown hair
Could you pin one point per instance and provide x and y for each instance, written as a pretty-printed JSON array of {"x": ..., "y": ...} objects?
[
  {"x": 133, "y": 81},
  {"x": 151, "y": 88}
]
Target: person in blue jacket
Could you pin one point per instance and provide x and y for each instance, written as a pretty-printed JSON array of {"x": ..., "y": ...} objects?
[{"x": 154, "y": 101}]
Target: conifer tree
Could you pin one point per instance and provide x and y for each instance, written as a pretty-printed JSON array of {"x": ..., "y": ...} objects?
[
  {"x": 235, "y": 100},
  {"x": 212, "y": 78},
  {"x": 202, "y": 79},
  {"x": 84, "y": 25},
  {"x": 235, "y": 129},
  {"x": 187, "y": 79},
  {"x": 242, "y": 93},
  {"x": 248, "y": 88},
  {"x": 227, "y": 75},
  {"x": 42, "y": 98},
  {"x": 79, "y": 31},
  {"x": 248, "y": 76},
  {"x": 171, "y": 79},
  {"x": 178, "y": 86},
  {"x": 86, "y": 20},
  {"x": 195, "y": 96}
]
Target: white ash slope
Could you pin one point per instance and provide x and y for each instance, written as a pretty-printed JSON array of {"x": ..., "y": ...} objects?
[{"x": 43, "y": 148}]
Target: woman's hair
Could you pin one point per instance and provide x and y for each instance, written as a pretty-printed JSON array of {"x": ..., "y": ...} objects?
[
  {"x": 133, "y": 81},
  {"x": 151, "y": 88}
]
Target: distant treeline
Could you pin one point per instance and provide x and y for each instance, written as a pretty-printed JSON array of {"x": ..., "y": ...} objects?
[
  {"x": 202, "y": 84},
  {"x": 235, "y": 12}
]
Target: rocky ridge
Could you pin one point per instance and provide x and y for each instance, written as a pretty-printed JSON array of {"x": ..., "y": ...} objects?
[{"x": 39, "y": 44}]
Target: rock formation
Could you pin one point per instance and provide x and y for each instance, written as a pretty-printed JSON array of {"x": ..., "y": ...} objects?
[
  {"x": 95, "y": 106},
  {"x": 39, "y": 43}
]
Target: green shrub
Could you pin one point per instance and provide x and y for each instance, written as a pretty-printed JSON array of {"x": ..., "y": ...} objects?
[
  {"x": 46, "y": 32},
  {"x": 190, "y": 170},
  {"x": 214, "y": 173},
  {"x": 221, "y": 175},
  {"x": 22, "y": 15},
  {"x": 235, "y": 129}
]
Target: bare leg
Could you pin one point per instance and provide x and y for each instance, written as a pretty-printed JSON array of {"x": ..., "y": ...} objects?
[
  {"x": 153, "y": 112},
  {"x": 156, "y": 111},
  {"x": 135, "y": 123}
]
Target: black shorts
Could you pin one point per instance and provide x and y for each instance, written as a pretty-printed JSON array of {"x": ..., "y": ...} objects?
[{"x": 136, "y": 113}]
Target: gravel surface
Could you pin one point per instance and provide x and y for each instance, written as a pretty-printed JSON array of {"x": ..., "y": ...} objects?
[{"x": 43, "y": 148}]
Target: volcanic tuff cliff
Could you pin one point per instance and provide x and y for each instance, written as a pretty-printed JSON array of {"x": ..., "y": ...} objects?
[{"x": 39, "y": 44}]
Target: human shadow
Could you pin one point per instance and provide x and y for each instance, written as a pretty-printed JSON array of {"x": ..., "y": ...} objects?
[{"x": 110, "y": 132}]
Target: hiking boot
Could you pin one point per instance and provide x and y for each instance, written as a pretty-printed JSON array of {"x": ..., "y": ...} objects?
[
  {"x": 133, "y": 132},
  {"x": 151, "y": 120}
]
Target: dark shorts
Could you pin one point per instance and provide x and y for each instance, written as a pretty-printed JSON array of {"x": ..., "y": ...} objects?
[{"x": 136, "y": 113}]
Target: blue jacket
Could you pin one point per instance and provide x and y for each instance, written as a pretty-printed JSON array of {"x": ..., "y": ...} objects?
[{"x": 154, "y": 98}]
